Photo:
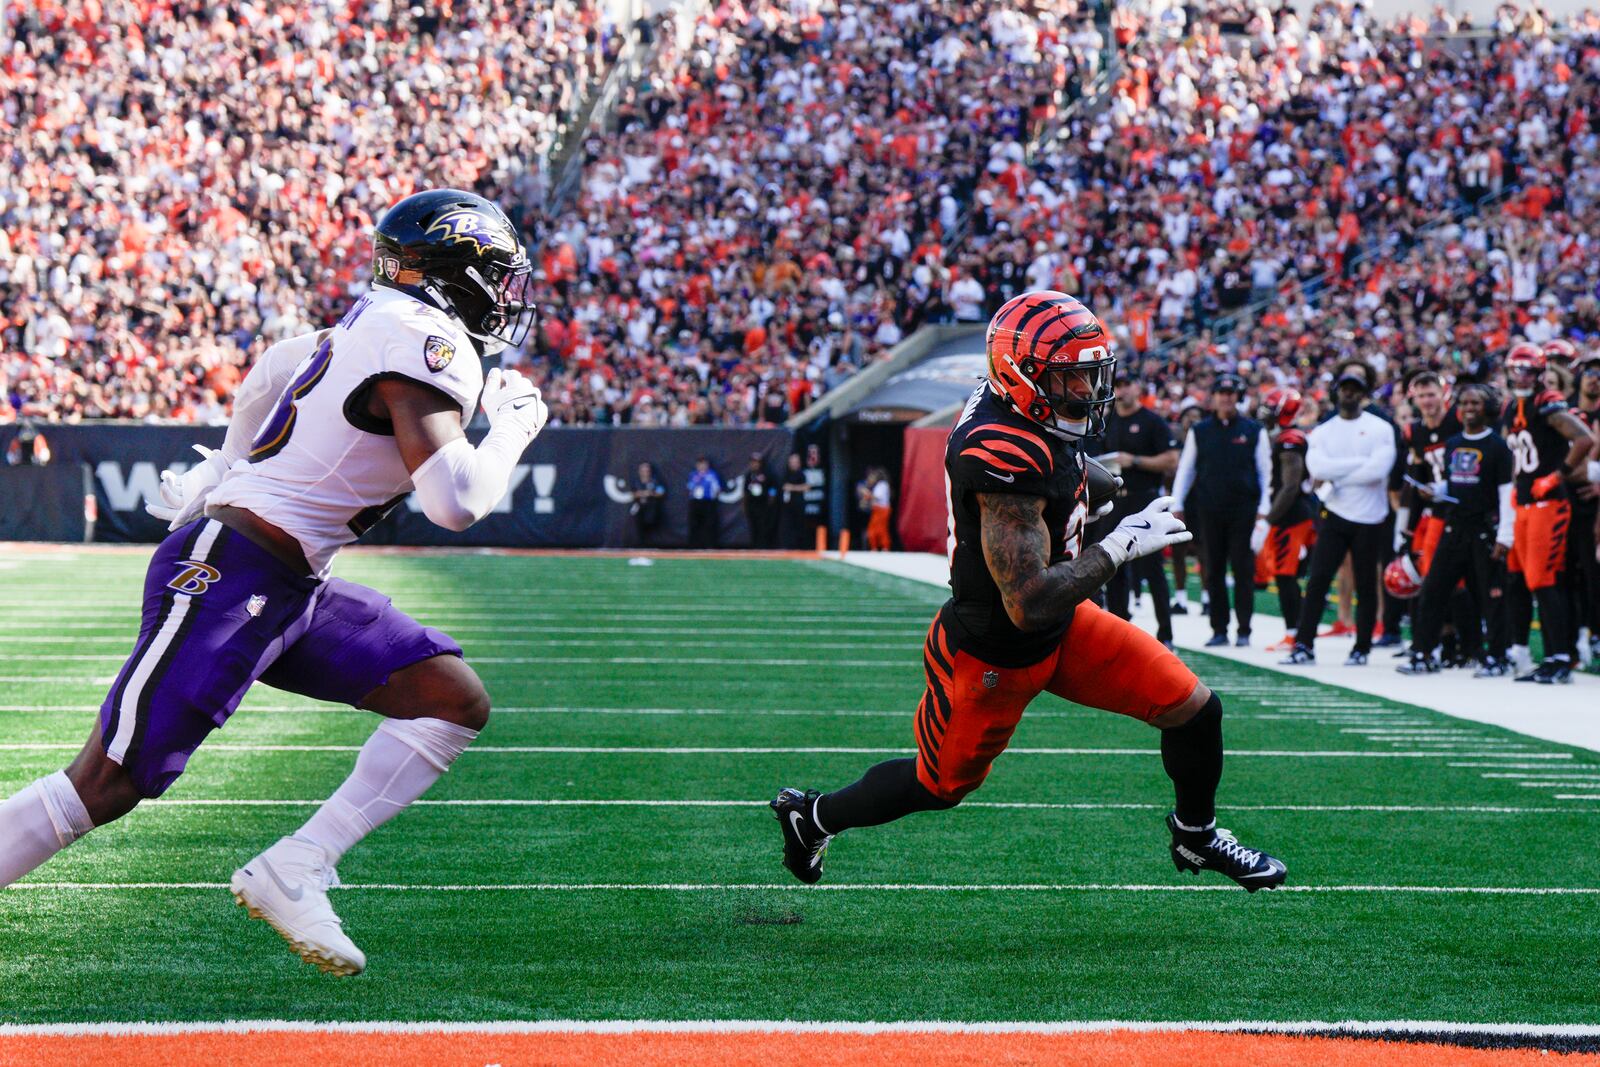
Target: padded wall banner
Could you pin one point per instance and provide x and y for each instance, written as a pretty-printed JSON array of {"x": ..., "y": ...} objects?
[
  {"x": 569, "y": 491},
  {"x": 924, "y": 512},
  {"x": 42, "y": 503}
]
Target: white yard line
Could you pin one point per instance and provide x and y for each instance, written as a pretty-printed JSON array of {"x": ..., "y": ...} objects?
[{"x": 1562, "y": 713}]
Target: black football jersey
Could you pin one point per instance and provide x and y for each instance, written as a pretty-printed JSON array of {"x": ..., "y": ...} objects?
[
  {"x": 1591, "y": 419},
  {"x": 1425, "y": 448},
  {"x": 1538, "y": 447},
  {"x": 993, "y": 449},
  {"x": 1300, "y": 510}
]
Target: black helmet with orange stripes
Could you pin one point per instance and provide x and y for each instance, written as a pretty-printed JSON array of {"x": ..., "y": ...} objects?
[{"x": 1051, "y": 357}]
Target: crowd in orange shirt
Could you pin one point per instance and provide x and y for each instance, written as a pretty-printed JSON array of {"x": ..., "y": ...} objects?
[{"x": 186, "y": 183}]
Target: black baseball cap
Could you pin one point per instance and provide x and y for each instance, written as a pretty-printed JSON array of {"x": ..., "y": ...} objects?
[
  {"x": 1354, "y": 372},
  {"x": 1228, "y": 383}
]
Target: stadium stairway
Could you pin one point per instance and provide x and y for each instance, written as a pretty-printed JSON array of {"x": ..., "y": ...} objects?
[{"x": 1565, "y": 714}]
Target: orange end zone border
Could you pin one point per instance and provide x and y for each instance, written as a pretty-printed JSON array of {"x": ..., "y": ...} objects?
[{"x": 820, "y": 1048}]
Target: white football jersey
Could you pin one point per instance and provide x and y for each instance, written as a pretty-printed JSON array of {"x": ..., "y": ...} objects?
[{"x": 321, "y": 468}]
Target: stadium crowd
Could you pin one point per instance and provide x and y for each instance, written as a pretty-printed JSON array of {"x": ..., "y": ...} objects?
[
  {"x": 792, "y": 188},
  {"x": 185, "y": 183}
]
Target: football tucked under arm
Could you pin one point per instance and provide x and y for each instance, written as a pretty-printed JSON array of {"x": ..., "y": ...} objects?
[
  {"x": 1101, "y": 486},
  {"x": 1016, "y": 547}
]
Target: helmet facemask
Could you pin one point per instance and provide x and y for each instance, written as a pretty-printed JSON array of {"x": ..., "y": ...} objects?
[{"x": 1079, "y": 396}]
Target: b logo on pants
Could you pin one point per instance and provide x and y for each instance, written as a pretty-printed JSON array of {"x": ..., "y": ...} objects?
[{"x": 195, "y": 578}]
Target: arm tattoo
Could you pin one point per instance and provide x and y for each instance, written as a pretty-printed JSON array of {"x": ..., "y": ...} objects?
[{"x": 1016, "y": 546}]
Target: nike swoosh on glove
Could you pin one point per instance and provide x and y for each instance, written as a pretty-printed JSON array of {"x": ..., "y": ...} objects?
[
  {"x": 1146, "y": 533},
  {"x": 183, "y": 496},
  {"x": 508, "y": 396}
]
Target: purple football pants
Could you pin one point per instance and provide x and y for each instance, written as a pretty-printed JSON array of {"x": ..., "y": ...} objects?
[{"x": 221, "y": 612}]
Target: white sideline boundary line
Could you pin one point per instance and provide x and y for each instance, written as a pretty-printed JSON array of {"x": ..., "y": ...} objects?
[
  {"x": 1466, "y": 809},
  {"x": 850, "y": 887},
  {"x": 700, "y": 750},
  {"x": 1561, "y": 714},
  {"x": 785, "y": 1026}
]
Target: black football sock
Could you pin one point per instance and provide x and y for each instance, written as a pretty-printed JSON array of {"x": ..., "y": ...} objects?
[
  {"x": 1289, "y": 599},
  {"x": 1192, "y": 755},
  {"x": 888, "y": 791},
  {"x": 1554, "y": 621},
  {"x": 1519, "y": 605}
]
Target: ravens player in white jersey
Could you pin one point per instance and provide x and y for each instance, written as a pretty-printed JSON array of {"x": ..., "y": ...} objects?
[{"x": 329, "y": 432}]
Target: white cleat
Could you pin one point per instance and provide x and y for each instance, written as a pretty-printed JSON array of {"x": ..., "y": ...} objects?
[{"x": 287, "y": 886}]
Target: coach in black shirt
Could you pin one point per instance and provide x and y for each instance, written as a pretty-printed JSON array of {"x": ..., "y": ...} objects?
[
  {"x": 1225, "y": 480},
  {"x": 1139, "y": 445}
]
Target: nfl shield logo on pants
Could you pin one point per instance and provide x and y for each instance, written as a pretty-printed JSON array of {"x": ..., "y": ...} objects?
[{"x": 255, "y": 604}]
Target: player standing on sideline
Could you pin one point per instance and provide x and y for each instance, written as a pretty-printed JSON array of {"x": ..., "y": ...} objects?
[
  {"x": 1472, "y": 502},
  {"x": 1417, "y": 526},
  {"x": 1290, "y": 525},
  {"x": 329, "y": 432},
  {"x": 1019, "y": 622},
  {"x": 1551, "y": 446},
  {"x": 1226, "y": 467},
  {"x": 1354, "y": 452}
]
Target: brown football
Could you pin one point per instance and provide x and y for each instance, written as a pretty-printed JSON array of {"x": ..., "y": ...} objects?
[{"x": 1103, "y": 485}]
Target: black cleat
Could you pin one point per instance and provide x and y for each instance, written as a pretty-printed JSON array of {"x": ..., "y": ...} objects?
[
  {"x": 1388, "y": 640},
  {"x": 1492, "y": 668},
  {"x": 1419, "y": 663},
  {"x": 1550, "y": 672},
  {"x": 1356, "y": 659},
  {"x": 1299, "y": 656},
  {"x": 1215, "y": 849},
  {"x": 804, "y": 845},
  {"x": 1216, "y": 640}
]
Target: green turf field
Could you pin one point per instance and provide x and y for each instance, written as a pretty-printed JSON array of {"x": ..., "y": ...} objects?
[{"x": 604, "y": 851}]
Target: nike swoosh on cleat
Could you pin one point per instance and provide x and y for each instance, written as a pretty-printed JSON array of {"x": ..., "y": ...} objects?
[
  {"x": 294, "y": 894},
  {"x": 794, "y": 822}
]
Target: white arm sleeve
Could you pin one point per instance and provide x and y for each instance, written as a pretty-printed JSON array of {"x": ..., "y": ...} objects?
[
  {"x": 1503, "y": 529},
  {"x": 258, "y": 394},
  {"x": 1264, "y": 471},
  {"x": 459, "y": 484},
  {"x": 1183, "y": 481}
]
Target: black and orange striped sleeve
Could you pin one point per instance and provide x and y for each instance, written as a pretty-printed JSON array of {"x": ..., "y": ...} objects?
[{"x": 998, "y": 457}]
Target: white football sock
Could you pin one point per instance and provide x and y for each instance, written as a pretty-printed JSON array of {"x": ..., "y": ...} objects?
[
  {"x": 398, "y": 763},
  {"x": 35, "y": 824}
]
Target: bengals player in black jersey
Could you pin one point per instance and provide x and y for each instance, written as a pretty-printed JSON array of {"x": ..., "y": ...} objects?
[
  {"x": 1019, "y": 621},
  {"x": 1550, "y": 446}
]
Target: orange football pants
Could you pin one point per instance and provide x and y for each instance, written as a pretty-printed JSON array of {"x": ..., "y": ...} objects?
[
  {"x": 970, "y": 708},
  {"x": 1425, "y": 541},
  {"x": 1280, "y": 556},
  {"x": 1539, "y": 542},
  {"x": 878, "y": 530}
]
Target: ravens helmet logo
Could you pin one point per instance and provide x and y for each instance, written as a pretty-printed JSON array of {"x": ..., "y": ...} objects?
[{"x": 467, "y": 226}]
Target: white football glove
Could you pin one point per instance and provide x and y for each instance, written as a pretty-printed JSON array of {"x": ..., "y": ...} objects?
[
  {"x": 1102, "y": 511},
  {"x": 1146, "y": 533},
  {"x": 507, "y": 395},
  {"x": 183, "y": 496},
  {"x": 1258, "y": 536}
]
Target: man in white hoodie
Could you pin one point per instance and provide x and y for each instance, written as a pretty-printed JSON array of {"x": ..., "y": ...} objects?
[{"x": 1353, "y": 452}]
